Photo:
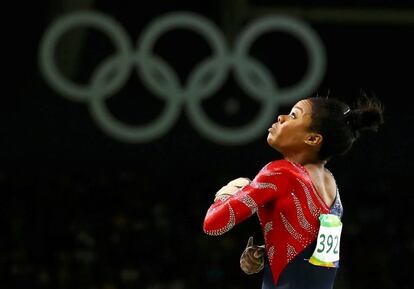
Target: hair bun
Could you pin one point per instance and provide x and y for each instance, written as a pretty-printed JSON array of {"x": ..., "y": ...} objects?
[{"x": 367, "y": 115}]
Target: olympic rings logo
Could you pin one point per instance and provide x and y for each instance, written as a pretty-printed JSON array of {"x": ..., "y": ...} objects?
[{"x": 168, "y": 86}]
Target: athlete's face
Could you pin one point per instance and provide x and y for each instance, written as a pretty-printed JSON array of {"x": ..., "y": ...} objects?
[{"x": 289, "y": 134}]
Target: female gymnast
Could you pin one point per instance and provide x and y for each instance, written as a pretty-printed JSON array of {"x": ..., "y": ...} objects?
[{"x": 296, "y": 198}]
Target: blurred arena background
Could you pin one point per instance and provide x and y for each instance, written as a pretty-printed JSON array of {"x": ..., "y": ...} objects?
[{"x": 92, "y": 208}]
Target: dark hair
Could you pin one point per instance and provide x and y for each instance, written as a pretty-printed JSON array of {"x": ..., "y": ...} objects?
[{"x": 340, "y": 125}]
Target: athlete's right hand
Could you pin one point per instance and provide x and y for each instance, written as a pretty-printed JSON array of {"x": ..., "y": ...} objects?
[{"x": 252, "y": 258}]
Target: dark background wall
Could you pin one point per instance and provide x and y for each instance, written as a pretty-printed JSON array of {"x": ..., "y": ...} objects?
[{"x": 80, "y": 209}]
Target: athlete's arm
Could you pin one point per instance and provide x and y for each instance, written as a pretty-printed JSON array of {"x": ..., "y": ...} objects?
[{"x": 225, "y": 213}]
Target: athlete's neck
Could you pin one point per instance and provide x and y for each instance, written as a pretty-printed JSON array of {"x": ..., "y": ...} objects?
[{"x": 305, "y": 160}]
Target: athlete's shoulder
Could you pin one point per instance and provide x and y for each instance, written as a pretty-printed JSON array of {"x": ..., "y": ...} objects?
[{"x": 282, "y": 166}]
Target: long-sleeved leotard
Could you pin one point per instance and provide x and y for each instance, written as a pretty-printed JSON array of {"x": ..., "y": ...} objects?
[{"x": 287, "y": 204}]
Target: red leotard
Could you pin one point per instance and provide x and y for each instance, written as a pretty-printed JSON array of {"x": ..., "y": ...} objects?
[{"x": 288, "y": 207}]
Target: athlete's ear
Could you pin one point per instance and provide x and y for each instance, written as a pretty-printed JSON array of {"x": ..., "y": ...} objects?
[{"x": 313, "y": 139}]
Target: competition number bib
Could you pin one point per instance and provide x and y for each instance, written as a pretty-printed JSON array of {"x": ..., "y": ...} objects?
[{"x": 326, "y": 253}]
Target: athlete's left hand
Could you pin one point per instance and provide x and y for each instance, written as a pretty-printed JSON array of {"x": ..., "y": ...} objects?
[{"x": 232, "y": 187}]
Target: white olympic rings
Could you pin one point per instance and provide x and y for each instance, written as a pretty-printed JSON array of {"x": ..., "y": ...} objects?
[{"x": 167, "y": 85}]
